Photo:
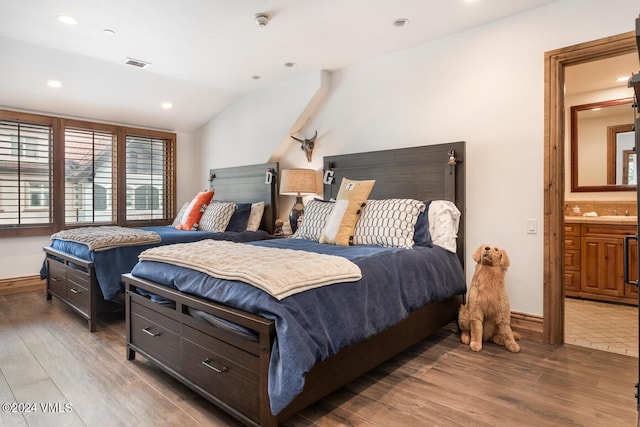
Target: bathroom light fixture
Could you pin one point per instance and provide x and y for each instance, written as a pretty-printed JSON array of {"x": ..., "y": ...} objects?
[
  {"x": 167, "y": 105},
  {"x": 622, "y": 79},
  {"x": 262, "y": 19},
  {"x": 68, "y": 20},
  {"x": 54, "y": 83}
]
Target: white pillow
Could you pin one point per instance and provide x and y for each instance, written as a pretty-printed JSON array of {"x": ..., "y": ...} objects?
[
  {"x": 255, "y": 217},
  {"x": 316, "y": 213},
  {"x": 216, "y": 217},
  {"x": 444, "y": 218},
  {"x": 181, "y": 212},
  {"x": 388, "y": 222}
]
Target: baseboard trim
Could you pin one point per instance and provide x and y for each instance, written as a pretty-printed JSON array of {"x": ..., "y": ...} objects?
[
  {"x": 529, "y": 326},
  {"x": 17, "y": 285}
]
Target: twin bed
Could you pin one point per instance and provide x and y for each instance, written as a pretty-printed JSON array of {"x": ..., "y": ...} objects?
[
  {"x": 263, "y": 357},
  {"x": 89, "y": 280}
]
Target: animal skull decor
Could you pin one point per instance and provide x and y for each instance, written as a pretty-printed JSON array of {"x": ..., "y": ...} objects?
[{"x": 307, "y": 145}]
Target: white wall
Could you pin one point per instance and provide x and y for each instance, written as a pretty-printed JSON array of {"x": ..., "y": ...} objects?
[{"x": 484, "y": 86}]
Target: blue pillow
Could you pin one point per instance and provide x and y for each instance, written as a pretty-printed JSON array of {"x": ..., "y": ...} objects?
[
  {"x": 421, "y": 236},
  {"x": 240, "y": 218}
]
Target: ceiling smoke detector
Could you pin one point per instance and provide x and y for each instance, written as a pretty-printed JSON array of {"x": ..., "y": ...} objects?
[
  {"x": 262, "y": 19},
  {"x": 136, "y": 63}
]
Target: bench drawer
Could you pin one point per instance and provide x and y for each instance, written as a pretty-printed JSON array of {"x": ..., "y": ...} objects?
[
  {"x": 57, "y": 278},
  {"x": 230, "y": 374},
  {"x": 156, "y": 334}
]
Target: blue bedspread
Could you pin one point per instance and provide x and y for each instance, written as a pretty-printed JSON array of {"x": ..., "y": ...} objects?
[
  {"x": 315, "y": 324},
  {"x": 111, "y": 264}
]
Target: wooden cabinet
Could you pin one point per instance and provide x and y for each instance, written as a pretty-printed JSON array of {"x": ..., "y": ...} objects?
[
  {"x": 594, "y": 262},
  {"x": 572, "y": 259}
]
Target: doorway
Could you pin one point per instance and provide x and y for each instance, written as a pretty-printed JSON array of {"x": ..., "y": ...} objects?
[{"x": 554, "y": 164}]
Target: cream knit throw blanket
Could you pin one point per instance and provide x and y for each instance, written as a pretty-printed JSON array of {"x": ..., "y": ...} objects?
[
  {"x": 107, "y": 237},
  {"x": 280, "y": 272}
]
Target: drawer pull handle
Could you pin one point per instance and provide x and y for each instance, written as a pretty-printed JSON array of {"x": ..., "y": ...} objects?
[
  {"x": 147, "y": 331},
  {"x": 75, "y": 291},
  {"x": 207, "y": 362},
  {"x": 54, "y": 279}
]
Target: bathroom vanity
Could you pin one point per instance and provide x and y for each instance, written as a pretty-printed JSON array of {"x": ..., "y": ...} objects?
[{"x": 594, "y": 258}]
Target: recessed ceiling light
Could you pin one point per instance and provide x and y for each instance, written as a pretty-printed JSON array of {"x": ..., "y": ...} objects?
[
  {"x": 289, "y": 64},
  {"x": 256, "y": 77},
  {"x": 54, "y": 83},
  {"x": 167, "y": 105},
  {"x": 401, "y": 22},
  {"x": 108, "y": 32},
  {"x": 66, "y": 19}
]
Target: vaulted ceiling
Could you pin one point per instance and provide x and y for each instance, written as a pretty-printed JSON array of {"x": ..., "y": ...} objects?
[{"x": 203, "y": 54}]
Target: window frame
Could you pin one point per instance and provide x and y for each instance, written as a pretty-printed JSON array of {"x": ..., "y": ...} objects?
[{"x": 57, "y": 173}]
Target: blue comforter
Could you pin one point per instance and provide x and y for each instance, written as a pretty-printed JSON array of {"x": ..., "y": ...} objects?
[
  {"x": 111, "y": 264},
  {"x": 315, "y": 324}
]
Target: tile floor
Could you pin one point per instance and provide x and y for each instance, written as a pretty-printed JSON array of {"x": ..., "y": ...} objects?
[{"x": 603, "y": 326}]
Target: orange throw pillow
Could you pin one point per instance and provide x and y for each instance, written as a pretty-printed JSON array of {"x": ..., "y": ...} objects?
[{"x": 191, "y": 217}]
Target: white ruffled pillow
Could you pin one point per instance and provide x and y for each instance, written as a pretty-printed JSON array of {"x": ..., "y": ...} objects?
[{"x": 444, "y": 219}]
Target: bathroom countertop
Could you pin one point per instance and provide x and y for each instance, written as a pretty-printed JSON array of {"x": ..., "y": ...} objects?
[{"x": 609, "y": 219}]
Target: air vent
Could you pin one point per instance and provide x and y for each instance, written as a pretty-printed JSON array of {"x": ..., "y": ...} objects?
[{"x": 136, "y": 63}]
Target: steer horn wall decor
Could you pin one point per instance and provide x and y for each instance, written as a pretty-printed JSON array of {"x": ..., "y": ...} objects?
[{"x": 307, "y": 145}]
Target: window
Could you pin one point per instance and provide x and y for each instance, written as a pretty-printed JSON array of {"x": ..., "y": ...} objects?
[
  {"x": 26, "y": 168},
  {"x": 149, "y": 162},
  {"x": 105, "y": 174},
  {"x": 89, "y": 175}
]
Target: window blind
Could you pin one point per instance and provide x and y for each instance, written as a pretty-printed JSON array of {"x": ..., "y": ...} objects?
[
  {"x": 25, "y": 173},
  {"x": 149, "y": 165},
  {"x": 90, "y": 176}
]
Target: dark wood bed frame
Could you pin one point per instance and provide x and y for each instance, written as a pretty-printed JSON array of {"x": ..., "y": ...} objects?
[
  {"x": 232, "y": 372},
  {"x": 73, "y": 280}
]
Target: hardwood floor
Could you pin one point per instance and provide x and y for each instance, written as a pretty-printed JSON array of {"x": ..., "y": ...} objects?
[{"x": 47, "y": 356}]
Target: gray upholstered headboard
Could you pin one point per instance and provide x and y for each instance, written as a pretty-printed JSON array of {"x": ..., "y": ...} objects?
[
  {"x": 422, "y": 173},
  {"x": 247, "y": 184}
]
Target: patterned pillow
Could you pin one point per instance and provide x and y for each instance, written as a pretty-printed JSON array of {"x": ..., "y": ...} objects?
[
  {"x": 388, "y": 222},
  {"x": 316, "y": 213},
  {"x": 216, "y": 217}
]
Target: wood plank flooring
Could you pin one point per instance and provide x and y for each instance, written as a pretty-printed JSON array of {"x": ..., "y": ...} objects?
[{"x": 47, "y": 356}]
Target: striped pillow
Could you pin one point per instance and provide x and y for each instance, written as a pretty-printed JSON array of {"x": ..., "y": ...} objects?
[
  {"x": 316, "y": 213},
  {"x": 388, "y": 222},
  {"x": 217, "y": 216}
]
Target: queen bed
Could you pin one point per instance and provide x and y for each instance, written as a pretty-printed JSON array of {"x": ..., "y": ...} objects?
[
  {"x": 86, "y": 274},
  {"x": 262, "y": 355}
]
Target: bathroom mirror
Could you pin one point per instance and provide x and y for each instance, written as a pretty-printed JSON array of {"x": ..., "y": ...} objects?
[{"x": 603, "y": 154}]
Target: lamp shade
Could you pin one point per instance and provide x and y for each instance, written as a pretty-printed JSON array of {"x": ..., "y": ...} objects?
[{"x": 298, "y": 181}]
